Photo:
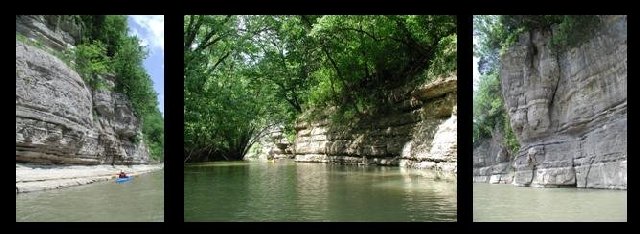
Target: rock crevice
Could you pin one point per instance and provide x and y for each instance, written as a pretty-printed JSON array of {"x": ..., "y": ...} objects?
[
  {"x": 568, "y": 110},
  {"x": 420, "y": 131},
  {"x": 60, "y": 119}
]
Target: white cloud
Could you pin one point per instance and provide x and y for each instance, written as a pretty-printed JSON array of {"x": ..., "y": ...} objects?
[
  {"x": 141, "y": 40},
  {"x": 152, "y": 32}
]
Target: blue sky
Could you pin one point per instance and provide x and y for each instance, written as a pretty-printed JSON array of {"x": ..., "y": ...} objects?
[{"x": 150, "y": 31}]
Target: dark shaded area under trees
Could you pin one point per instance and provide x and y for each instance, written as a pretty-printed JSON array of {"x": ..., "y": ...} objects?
[{"x": 246, "y": 73}]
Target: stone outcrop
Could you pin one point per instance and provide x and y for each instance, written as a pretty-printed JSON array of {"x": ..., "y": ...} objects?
[
  {"x": 492, "y": 161},
  {"x": 569, "y": 110},
  {"x": 58, "y": 32},
  {"x": 272, "y": 144},
  {"x": 419, "y": 130},
  {"x": 59, "y": 118}
]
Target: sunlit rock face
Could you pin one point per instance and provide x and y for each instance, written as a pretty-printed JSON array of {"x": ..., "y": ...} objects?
[
  {"x": 569, "y": 110},
  {"x": 492, "y": 161},
  {"x": 419, "y": 131},
  {"x": 271, "y": 144},
  {"x": 59, "y": 118}
]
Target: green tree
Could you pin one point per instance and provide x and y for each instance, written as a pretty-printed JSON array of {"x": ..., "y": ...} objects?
[
  {"x": 91, "y": 61},
  {"x": 106, "y": 48},
  {"x": 244, "y": 74}
]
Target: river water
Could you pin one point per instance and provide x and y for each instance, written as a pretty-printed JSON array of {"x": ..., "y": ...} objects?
[
  {"x": 492, "y": 202},
  {"x": 251, "y": 191},
  {"x": 141, "y": 199}
]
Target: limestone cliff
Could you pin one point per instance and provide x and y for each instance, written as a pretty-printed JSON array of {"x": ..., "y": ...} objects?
[
  {"x": 420, "y": 130},
  {"x": 59, "y": 118},
  {"x": 271, "y": 144},
  {"x": 569, "y": 109},
  {"x": 492, "y": 161}
]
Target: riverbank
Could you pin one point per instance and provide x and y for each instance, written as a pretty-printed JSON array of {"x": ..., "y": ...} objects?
[{"x": 34, "y": 177}]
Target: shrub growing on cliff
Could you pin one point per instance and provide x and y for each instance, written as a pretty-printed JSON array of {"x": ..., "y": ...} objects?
[
  {"x": 570, "y": 30},
  {"x": 91, "y": 61},
  {"x": 66, "y": 55},
  {"x": 495, "y": 34},
  {"x": 574, "y": 30},
  {"x": 510, "y": 140},
  {"x": 107, "y": 29},
  {"x": 107, "y": 48}
]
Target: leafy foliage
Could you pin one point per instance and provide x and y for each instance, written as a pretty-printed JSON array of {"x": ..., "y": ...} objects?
[
  {"x": 66, "y": 56},
  {"x": 494, "y": 34},
  {"x": 107, "y": 29},
  {"x": 245, "y": 73},
  {"x": 489, "y": 113},
  {"x": 107, "y": 48},
  {"x": 574, "y": 30},
  {"x": 91, "y": 61},
  {"x": 153, "y": 133},
  {"x": 488, "y": 106},
  {"x": 571, "y": 30}
]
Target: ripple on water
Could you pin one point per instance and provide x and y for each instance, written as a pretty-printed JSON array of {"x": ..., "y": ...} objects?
[
  {"x": 510, "y": 203},
  {"x": 314, "y": 192},
  {"x": 142, "y": 199}
]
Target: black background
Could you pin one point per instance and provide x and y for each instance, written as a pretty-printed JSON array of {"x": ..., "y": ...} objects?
[{"x": 174, "y": 103}]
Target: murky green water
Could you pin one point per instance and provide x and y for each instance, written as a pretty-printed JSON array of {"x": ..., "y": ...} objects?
[
  {"x": 511, "y": 203},
  {"x": 141, "y": 199},
  {"x": 314, "y": 192}
]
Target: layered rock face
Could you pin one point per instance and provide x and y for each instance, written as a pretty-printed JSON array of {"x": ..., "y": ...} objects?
[
  {"x": 59, "y": 119},
  {"x": 420, "y": 131},
  {"x": 569, "y": 111},
  {"x": 271, "y": 145},
  {"x": 55, "y": 31},
  {"x": 491, "y": 161}
]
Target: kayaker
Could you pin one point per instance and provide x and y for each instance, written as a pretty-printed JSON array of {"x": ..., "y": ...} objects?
[{"x": 122, "y": 175}]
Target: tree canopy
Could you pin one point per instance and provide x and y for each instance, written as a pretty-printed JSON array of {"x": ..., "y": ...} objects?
[{"x": 245, "y": 73}]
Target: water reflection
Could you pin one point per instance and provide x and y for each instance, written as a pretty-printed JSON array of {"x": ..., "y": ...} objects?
[
  {"x": 315, "y": 192},
  {"x": 312, "y": 186}
]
